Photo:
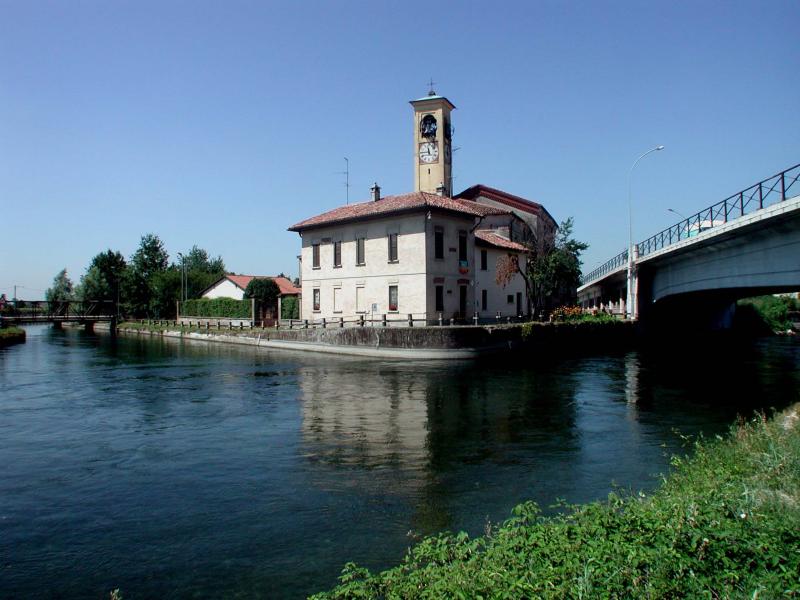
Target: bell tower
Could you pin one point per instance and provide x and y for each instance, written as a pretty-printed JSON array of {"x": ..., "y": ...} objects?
[{"x": 433, "y": 155}]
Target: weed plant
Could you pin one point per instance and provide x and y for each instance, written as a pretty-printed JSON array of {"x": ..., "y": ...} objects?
[{"x": 724, "y": 524}]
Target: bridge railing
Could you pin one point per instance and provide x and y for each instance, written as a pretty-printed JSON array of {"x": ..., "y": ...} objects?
[
  {"x": 767, "y": 192},
  {"x": 760, "y": 195},
  {"x": 58, "y": 310},
  {"x": 607, "y": 267}
]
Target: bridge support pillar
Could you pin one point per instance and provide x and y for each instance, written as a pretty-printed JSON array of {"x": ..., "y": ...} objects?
[
  {"x": 88, "y": 327},
  {"x": 57, "y": 325}
]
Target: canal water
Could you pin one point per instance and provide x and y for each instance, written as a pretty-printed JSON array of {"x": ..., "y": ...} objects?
[{"x": 177, "y": 469}]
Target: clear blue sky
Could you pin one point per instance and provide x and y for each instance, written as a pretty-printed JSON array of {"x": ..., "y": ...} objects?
[{"x": 221, "y": 124}]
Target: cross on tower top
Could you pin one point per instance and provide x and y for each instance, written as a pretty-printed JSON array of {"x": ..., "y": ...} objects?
[{"x": 431, "y": 92}]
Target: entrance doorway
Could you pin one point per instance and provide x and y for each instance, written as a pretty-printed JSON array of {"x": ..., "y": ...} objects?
[
  {"x": 519, "y": 304},
  {"x": 462, "y": 301}
]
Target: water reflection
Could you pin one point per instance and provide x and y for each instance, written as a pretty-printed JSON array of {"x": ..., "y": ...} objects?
[{"x": 181, "y": 469}]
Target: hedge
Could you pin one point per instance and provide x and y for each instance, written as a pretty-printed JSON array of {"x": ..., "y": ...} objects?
[
  {"x": 290, "y": 308},
  {"x": 226, "y": 308}
]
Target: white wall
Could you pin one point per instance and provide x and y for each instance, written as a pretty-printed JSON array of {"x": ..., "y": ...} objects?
[
  {"x": 447, "y": 269},
  {"x": 496, "y": 295},
  {"x": 417, "y": 272},
  {"x": 375, "y": 276},
  {"x": 225, "y": 289}
]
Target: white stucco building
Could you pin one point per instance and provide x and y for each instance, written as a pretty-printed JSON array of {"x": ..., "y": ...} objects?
[{"x": 424, "y": 253}]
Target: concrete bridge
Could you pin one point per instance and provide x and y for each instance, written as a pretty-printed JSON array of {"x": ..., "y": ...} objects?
[{"x": 693, "y": 272}]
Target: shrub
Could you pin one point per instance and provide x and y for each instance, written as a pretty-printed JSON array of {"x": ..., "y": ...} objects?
[
  {"x": 290, "y": 308},
  {"x": 263, "y": 289},
  {"x": 11, "y": 335},
  {"x": 773, "y": 310},
  {"x": 226, "y": 308},
  {"x": 725, "y": 524}
]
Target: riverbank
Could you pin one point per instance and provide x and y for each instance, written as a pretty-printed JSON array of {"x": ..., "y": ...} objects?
[
  {"x": 725, "y": 523},
  {"x": 11, "y": 335},
  {"x": 411, "y": 342}
]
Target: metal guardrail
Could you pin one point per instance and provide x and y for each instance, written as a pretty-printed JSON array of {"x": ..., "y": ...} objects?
[
  {"x": 758, "y": 196},
  {"x": 607, "y": 267},
  {"x": 767, "y": 192},
  {"x": 68, "y": 310},
  {"x": 361, "y": 320},
  {"x": 398, "y": 320}
]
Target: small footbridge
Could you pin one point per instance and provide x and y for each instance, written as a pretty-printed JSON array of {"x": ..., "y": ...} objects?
[
  {"x": 87, "y": 312},
  {"x": 745, "y": 245}
]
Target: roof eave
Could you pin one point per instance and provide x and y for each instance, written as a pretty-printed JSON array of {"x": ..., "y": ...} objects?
[{"x": 371, "y": 217}]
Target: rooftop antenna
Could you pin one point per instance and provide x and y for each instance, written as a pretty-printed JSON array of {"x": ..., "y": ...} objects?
[{"x": 346, "y": 174}]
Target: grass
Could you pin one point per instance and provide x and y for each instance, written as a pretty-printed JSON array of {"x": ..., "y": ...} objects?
[
  {"x": 11, "y": 335},
  {"x": 724, "y": 524}
]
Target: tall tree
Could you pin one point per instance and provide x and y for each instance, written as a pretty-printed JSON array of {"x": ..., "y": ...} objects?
[
  {"x": 198, "y": 260},
  {"x": 104, "y": 277},
  {"x": 149, "y": 260},
  {"x": 150, "y": 257},
  {"x": 201, "y": 271},
  {"x": 61, "y": 290},
  {"x": 551, "y": 272}
]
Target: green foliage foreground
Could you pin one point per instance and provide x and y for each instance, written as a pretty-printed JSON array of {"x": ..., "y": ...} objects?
[
  {"x": 11, "y": 335},
  {"x": 724, "y": 524},
  {"x": 772, "y": 310}
]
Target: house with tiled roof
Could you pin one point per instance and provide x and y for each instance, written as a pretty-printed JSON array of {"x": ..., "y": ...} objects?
[
  {"x": 234, "y": 286},
  {"x": 426, "y": 253}
]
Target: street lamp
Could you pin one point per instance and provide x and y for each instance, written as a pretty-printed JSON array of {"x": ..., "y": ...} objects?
[
  {"x": 672, "y": 210},
  {"x": 183, "y": 275},
  {"x": 631, "y": 294}
]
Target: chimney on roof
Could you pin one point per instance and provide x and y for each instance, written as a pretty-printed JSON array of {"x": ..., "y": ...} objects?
[
  {"x": 375, "y": 192},
  {"x": 440, "y": 189}
]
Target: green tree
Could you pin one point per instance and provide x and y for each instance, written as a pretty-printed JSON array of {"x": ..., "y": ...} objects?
[
  {"x": 165, "y": 289},
  {"x": 150, "y": 257},
  {"x": 201, "y": 271},
  {"x": 104, "y": 278},
  {"x": 552, "y": 270},
  {"x": 61, "y": 289},
  {"x": 266, "y": 293},
  {"x": 197, "y": 260},
  {"x": 149, "y": 260}
]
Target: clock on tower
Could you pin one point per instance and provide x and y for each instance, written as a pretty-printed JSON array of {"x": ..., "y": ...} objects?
[{"x": 432, "y": 152}]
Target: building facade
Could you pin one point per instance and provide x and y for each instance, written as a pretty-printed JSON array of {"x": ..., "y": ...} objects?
[{"x": 424, "y": 254}]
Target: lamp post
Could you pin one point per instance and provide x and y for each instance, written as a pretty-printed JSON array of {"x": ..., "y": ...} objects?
[
  {"x": 631, "y": 300},
  {"x": 183, "y": 275},
  {"x": 672, "y": 210}
]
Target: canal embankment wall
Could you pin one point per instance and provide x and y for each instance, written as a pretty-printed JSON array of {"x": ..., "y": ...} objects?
[{"x": 413, "y": 342}]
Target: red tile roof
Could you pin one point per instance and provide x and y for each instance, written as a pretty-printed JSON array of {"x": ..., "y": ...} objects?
[
  {"x": 286, "y": 287},
  {"x": 504, "y": 198},
  {"x": 397, "y": 204},
  {"x": 498, "y": 241}
]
